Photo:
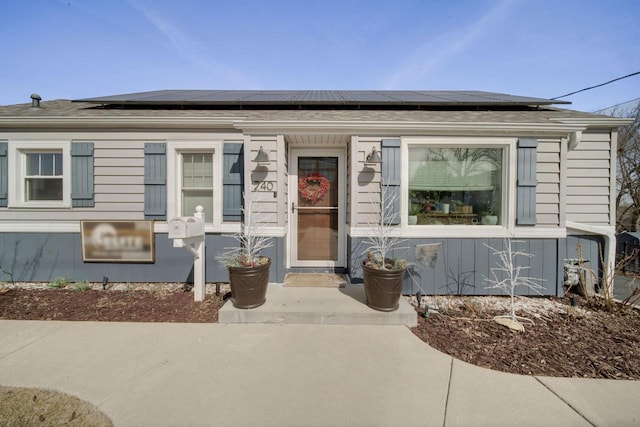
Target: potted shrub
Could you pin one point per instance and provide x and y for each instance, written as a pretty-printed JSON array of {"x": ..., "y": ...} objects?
[
  {"x": 488, "y": 217},
  {"x": 248, "y": 268},
  {"x": 383, "y": 277},
  {"x": 414, "y": 210}
]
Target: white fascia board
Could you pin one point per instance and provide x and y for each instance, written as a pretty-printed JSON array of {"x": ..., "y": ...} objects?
[
  {"x": 594, "y": 121},
  {"x": 118, "y": 122},
  {"x": 337, "y": 126},
  {"x": 155, "y": 135}
]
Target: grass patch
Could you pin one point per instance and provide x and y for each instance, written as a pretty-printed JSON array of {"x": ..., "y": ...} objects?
[
  {"x": 31, "y": 406},
  {"x": 81, "y": 286},
  {"x": 58, "y": 283}
]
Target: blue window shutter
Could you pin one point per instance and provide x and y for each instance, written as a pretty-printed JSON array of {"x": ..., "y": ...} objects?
[
  {"x": 82, "y": 175},
  {"x": 4, "y": 174},
  {"x": 391, "y": 165},
  {"x": 232, "y": 181},
  {"x": 155, "y": 180},
  {"x": 527, "y": 181}
]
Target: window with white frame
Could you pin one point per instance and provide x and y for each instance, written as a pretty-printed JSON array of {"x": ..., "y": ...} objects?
[
  {"x": 456, "y": 185},
  {"x": 196, "y": 186},
  {"x": 41, "y": 175}
]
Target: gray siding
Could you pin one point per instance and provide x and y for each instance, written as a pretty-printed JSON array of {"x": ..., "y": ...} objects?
[
  {"x": 118, "y": 187},
  {"x": 462, "y": 265},
  {"x": 589, "y": 174},
  {"x": 367, "y": 195},
  {"x": 268, "y": 206},
  {"x": 591, "y": 249},
  {"x": 548, "y": 187},
  {"x": 41, "y": 257}
]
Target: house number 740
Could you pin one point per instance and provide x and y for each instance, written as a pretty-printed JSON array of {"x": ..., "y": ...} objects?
[{"x": 264, "y": 186}]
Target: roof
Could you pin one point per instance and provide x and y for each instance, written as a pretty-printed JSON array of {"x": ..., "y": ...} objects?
[
  {"x": 629, "y": 236},
  {"x": 322, "y": 97},
  {"x": 263, "y": 110}
]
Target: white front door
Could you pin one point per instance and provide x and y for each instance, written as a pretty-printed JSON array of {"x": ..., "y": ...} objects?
[{"x": 317, "y": 200}]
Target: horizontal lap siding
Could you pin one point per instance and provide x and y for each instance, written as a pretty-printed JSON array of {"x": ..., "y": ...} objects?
[
  {"x": 264, "y": 202},
  {"x": 119, "y": 179},
  {"x": 367, "y": 192},
  {"x": 118, "y": 187},
  {"x": 548, "y": 188},
  {"x": 588, "y": 179}
]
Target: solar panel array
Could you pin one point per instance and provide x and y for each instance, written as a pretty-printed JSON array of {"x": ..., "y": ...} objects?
[{"x": 320, "y": 97}]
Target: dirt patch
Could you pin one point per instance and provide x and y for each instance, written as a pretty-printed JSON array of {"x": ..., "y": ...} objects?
[
  {"x": 564, "y": 341},
  {"x": 30, "y": 407}
]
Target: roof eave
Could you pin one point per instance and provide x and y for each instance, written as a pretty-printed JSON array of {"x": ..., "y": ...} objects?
[
  {"x": 405, "y": 127},
  {"x": 610, "y": 122},
  {"x": 552, "y": 127},
  {"x": 117, "y": 122}
]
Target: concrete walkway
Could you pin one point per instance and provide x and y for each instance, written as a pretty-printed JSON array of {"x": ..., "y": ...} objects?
[{"x": 291, "y": 375}]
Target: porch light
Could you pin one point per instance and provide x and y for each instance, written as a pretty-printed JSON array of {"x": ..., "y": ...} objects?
[
  {"x": 261, "y": 157},
  {"x": 374, "y": 156}
]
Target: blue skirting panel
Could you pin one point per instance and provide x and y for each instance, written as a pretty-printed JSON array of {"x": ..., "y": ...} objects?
[
  {"x": 41, "y": 257},
  {"x": 462, "y": 265}
]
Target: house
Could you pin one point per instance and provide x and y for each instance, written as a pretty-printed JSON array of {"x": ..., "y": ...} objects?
[
  {"x": 628, "y": 251},
  {"x": 468, "y": 169}
]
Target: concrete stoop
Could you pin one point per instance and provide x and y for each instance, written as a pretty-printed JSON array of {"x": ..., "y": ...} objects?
[{"x": 325, "y": 306}]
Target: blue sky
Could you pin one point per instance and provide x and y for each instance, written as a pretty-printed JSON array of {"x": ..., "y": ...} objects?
[{"x": 75, "y": 49}]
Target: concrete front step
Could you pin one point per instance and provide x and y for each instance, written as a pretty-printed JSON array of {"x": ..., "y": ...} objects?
[{"x": 326, "y": 306}]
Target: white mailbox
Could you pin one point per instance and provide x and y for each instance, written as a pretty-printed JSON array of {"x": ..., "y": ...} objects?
[{"x": 186, "y": 227}]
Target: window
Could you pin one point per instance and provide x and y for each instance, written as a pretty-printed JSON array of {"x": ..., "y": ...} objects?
[
  {"x": 197, "y": 183},
  {"x": 455, "y": 185},
  {"x": 43, "y": 179},
  {"x": 41, "y": 174},
  {"x": 197, "y": 174}
]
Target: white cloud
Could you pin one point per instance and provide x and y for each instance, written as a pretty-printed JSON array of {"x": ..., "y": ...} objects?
[{"x": 437, "y": 52}]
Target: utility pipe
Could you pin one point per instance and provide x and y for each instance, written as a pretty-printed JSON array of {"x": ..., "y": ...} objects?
[{"x": 609, "y": 249}]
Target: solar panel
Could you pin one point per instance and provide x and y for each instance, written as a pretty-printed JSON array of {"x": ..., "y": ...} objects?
[{"x": 320, "y": 97}]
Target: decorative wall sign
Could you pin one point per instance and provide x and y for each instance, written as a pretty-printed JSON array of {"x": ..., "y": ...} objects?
[{"x": 118, "y": 241}]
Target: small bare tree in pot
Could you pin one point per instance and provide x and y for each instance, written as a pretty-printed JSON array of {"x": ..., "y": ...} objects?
[
  {"x": 383, "y": 277},
  {"x": 248, "y": 268}
]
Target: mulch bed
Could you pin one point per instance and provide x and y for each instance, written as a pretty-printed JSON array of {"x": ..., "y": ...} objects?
[
  {"x": 588, "y": 343},
  {"x": 111, "y": 305}
]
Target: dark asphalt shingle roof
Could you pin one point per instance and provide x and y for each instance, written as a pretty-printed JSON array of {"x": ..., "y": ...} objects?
[
  {"x": 155, "y": 106},
  {"x": 321, "y": 97},
  {"x": 76, "y": 110}
]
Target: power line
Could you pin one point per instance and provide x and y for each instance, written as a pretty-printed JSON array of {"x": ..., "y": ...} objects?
[
  {"x": 602, "y": 84},
  {"x": 636, "y": 100}
]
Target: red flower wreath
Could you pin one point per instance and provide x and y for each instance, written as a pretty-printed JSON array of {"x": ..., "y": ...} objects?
[{"x": 312, "y": 187}]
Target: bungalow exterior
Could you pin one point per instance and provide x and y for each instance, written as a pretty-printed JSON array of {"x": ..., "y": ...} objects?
[{"x": 467, "y": 169}]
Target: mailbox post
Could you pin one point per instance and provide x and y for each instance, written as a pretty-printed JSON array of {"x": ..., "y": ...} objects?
[{"x": 188, "y": 232}]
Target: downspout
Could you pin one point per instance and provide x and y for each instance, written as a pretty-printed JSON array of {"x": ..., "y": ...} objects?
[{"x": 609, "y": 249}]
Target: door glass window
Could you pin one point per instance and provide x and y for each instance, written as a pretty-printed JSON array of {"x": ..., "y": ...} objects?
[{"x": 317, "y": 208}]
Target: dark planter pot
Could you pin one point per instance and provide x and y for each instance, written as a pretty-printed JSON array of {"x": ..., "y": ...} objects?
[
  {"x": 249, "y": 285},
  {"x": 383, "y": 288}
]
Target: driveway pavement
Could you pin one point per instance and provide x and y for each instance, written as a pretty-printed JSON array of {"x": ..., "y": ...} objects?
[
  {"x": 143, "y": 374},
  {"x": 623, "y": 286}
]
